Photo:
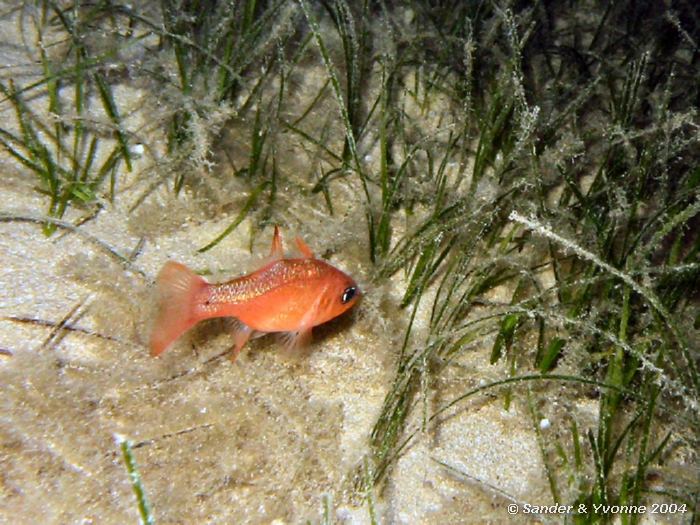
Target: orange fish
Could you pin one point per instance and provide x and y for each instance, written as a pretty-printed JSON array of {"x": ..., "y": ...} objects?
[{"x": 286, "y": 295}]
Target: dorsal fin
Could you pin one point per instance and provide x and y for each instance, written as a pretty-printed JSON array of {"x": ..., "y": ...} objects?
[
  {"x": 304, "y": 248},
  {"x": 276, "y": 250}
]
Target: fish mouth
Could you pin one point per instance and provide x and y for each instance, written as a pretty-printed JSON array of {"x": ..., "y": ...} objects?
[{"x": 359, "y": 294}]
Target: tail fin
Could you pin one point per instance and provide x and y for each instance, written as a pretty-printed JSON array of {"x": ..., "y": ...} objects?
[{"x": 178, "y": 287}]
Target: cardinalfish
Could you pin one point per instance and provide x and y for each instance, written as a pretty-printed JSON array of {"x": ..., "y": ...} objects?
[{"x": 287, "y": 295}]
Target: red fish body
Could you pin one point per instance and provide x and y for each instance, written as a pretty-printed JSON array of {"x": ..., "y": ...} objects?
[{"x": 285, "y": 295}]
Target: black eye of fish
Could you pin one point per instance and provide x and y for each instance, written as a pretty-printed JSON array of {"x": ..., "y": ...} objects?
[{"x": 348, "y": 294}]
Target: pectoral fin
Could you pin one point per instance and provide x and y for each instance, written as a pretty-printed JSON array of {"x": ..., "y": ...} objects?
[
  {"x": 302, "y": 337},
  {"x": 292, "y": 341}
]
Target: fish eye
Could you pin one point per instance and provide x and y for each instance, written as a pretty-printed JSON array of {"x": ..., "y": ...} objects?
[{"x": 348, "y": 294}]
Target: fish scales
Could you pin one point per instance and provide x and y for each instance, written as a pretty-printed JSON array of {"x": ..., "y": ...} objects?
[{"x": 277, "y": 274}]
